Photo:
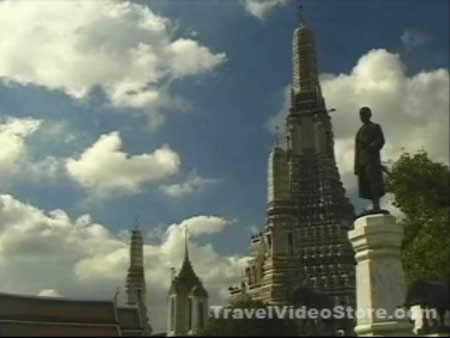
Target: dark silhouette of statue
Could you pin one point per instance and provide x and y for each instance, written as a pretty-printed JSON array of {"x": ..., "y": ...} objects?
[{"x": 368, "y": 143}]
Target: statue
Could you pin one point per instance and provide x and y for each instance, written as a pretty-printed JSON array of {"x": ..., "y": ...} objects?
[{"x": 368, "y": 143}]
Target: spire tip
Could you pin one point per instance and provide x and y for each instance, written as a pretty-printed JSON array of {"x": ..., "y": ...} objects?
[
  {"x": 277, "y": 131},
  {"x": 136, "y": 223},
  {"x": 186, "y": 249},
  {"x": 301, "y": 15}
]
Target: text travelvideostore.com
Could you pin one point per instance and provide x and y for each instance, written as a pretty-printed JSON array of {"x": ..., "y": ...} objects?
[{"x": 291, "y": 312}]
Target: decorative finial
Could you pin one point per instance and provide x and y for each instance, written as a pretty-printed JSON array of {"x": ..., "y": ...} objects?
[
  {"x": 186, "y": 251},
  {"x": 277, "y": 131},
  {"x": 300, "y": 8},
  {"x": 301, "y": 15},
  {"x": 116, "y": 295},
  {"x": 136, "y": 223}
]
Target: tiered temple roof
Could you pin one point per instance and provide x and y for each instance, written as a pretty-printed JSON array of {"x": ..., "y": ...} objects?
[
  {"x": 22, "y": 315},
  {"x": 186, "y": 281}
]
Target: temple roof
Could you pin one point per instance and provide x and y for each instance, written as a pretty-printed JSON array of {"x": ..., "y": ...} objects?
[
  {"x": 199, "y": 291},
  {"x": 24, "y": 307},
  {"x": 186, "y": 280},
  {"x": 24, "y": 315},
  {"x": 9, "y": 328}
]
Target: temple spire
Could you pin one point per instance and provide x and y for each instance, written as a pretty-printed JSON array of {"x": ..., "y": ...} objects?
[
  {"x": 137, "y": 224},
  {"x": 277, "y": 139},
  {"x": 186, "y": 244},
  {"x": 302, "y": 18},
  {"x": 188, "y": 299},
  {"x": 304, "y": 57}
]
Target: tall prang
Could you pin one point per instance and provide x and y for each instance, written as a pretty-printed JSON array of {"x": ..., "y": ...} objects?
[
  {"x": 135, "y": 285},
  {"x": 305, "y": 239}
]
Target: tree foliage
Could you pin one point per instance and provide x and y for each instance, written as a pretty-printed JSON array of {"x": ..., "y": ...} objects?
[
  {"x": 249, "y": 327},
  {"x": 421, "y": 191}
]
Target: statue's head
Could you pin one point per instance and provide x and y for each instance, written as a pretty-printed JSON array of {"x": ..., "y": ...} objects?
[{"x": 365, "y": 114}]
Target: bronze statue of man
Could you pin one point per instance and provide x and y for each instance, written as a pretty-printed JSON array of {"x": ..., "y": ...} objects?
[{"x": 368, "y": 143}]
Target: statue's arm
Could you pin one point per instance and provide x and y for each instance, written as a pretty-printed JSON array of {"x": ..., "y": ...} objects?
[
  {"x": 378, "y": 141},
  {"x": 356, "y": 162}
]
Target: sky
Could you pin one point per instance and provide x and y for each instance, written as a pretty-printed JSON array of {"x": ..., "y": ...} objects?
[{"x": 163, "y": 112}]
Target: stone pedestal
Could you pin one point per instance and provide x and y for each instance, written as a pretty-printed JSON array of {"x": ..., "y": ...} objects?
[{"x": 380, "y": 281}]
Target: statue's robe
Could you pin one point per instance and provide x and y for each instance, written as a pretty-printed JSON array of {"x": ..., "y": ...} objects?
[{"x": 368, "y": 143}]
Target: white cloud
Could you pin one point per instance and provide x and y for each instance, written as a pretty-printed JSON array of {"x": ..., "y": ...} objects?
[
  {"x": 388, "y": 203},
  {"x": 13, "y": 137},
  {"x": 412, "y": 109},
  {"x": 194, "y": 183},
  {"x": 101, "y": 169},
  {"x": 49, "y": 293},
  {"x": 19, "y": 158},
  {"x": 51, "y": 254},
  {"x": 104, "y": 167},
  {"x": 261, "y": 8},
  {"x": 121, "y": 46},
  {"x": 412, "y": 38},
  {"x": 200, "y": 225}
]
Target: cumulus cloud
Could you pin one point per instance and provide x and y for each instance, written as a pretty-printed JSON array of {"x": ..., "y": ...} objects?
[
  {"x": 261, "y": 8},
  {"x": 49, "y": 253},
  {"x": 193, "y": 184},
  {"x": 200, "y": 225},
  {"x": 120, "y": 46},
  {"x": 14, "y": 133},
  {"x": 412, "y": 109},
  {"x": 21, "y": 140},
  {"x": 104, "y": 167}
]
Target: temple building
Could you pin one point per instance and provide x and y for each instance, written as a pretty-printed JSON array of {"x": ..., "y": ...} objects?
[
  {"x": 188, "y": 301},
  {"x": 304, "y": 242},
  {"x": 24, "y": 315}
]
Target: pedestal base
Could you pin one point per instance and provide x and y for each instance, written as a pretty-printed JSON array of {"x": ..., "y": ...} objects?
[
  {"x": 372, "y": 212},
  {"x": 385, "y": 329},
  {"x": 380, "y": 282}
]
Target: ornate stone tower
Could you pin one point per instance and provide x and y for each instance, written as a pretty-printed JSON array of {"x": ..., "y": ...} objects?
[
  {"x": 136, "y": 290},
  {"x": 188, "y": 301},
  {"x": 135, "y": 277},
  {"x": 325, "y": 215},
  {"x": 308, "y": 215}
]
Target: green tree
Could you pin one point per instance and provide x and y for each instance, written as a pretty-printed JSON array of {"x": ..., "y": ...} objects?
[
  {"x": 421, "y": 191},
  {"x": 233, "y": 325}
]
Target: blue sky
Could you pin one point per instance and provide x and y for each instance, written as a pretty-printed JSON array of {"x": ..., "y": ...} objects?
[{"x": 217, "y": 117}]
